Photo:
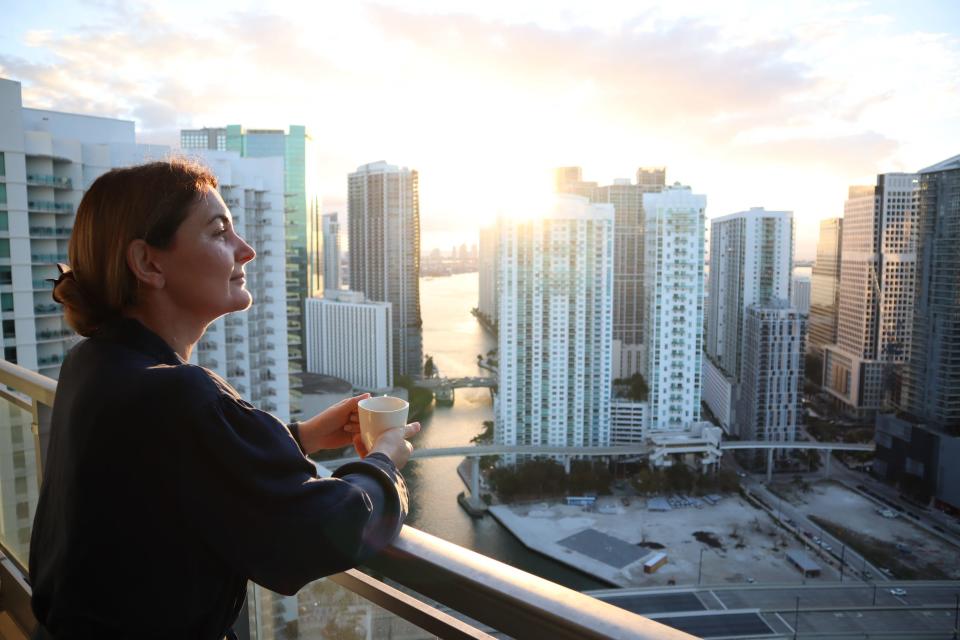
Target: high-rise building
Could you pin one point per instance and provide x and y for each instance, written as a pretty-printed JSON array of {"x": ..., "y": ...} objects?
[
  {"x": 751, "y": 258},
  {"x": 800, "y": 294},
  {"x": 293, "y": 147},
  {"x": 825, "y": 289},
  {"x": 351, "y": 338},
  {"x": 772, "y": 373},
  {"x": 674, "y": 230},
  {"x": 47, "y": 161},
  {"x": 331, "y": 252},
  {"x": 249, "y": 349},
  {"x": 931, "y": 388},
  {"x": 877, "y": 285},
  {"x": 384, "y": 228},
  {"x": 487, "y": 303},
  {"x": 555, "y": 325},
  {"x": 627, "y": 199}
]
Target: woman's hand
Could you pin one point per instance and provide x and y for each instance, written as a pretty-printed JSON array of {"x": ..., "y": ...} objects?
[
  {"x": 392, "y": 443},
  {"x": 333, "y": 427}
]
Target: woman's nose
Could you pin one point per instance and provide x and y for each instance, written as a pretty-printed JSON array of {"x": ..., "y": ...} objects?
[{"x": 245, "y": 252}]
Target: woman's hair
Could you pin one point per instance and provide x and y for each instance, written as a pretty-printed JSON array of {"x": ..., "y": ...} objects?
[{"x": 146, "y": 202}]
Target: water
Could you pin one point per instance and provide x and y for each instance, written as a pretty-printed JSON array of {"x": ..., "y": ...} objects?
[{"x": 454, "y": 338}]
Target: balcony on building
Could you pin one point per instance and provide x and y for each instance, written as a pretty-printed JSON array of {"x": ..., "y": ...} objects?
[{"x": 421, "y": 585}]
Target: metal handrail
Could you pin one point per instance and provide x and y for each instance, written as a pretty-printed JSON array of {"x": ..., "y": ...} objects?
[{"x": 490, "y": 592}]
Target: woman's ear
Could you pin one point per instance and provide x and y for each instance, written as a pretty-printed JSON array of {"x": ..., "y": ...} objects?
[{"x": 141, "y": 258}]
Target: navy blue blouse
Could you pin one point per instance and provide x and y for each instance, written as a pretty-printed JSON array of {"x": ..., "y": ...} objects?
[{"x": 164, "y": 492}]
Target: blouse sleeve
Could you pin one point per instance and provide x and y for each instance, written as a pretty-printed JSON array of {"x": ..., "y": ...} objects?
[{"x": 252, "y": 497}]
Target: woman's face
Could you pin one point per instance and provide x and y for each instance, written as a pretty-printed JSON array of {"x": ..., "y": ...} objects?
[{"x": 203, "y": 268}]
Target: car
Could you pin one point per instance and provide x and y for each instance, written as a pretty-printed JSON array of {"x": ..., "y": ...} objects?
[
  {"x": 751, "y": 581},
  {"x": 898, "y": 592},
  {"x": 826, "y": 547},
  {"x": 741, "y": 474}
]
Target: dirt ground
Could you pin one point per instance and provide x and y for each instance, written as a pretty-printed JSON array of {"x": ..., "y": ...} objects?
[{"x": 739, "y": 543}]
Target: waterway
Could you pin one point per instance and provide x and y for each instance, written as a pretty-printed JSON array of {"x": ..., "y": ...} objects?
[{"x": 454, "y": 338}]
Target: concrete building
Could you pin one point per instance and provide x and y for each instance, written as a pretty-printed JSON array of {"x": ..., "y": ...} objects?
[
  {"x": 931, "y": 386},
  {"x": 294, "y": 148},
  {"x": 628, "y": 422},
  {"x": 800, "y": 294},
  {"x": 920, "y": 459},
  {"x": 627, "y": 199},
  {"x": 771, "y": 377},
  {"x": 555, "y": 325},
  {"x": 673, "y": 305},
  {"x": 47, "y": 161},
  {"x": 751, "y": 260},
  {"x": 351, "y": 338},
  {"x": 249, "y": 349},
  {"x": 384, "y": 227},
  {"x": 487, "y": 265},
  {"x": 825, "y": 289},
  {"x": 331, "y": 252},
  {"x": 877, "y": 286}
]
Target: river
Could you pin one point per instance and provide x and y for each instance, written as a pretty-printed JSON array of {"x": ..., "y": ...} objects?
[{"x": 454, "y": 338}]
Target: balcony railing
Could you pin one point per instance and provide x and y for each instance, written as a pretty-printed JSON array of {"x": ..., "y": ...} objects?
[
  {"x": 45, "y": 180},
  {"x": 496, "y": 596},
  {"x": 46, "y": 206}
]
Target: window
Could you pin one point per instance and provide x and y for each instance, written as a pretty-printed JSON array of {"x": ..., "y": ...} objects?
[
  {"x": 3, "y": 194},
  {"x": 3, "y": 164},
  {"x": 6, "y": 302},
  {"x": 4, "y": 248},
  {"x": 10, "y": 354}
]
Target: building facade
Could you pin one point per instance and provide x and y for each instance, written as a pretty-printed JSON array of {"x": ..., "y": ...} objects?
[
  {"x": 931, "y": 386},
  {"x": 771, "y": 379},
  {"x": 877, "y": 286},
  {"x": 331, "y": 253},
  {"x": 800, "y": 294},
  {"x": 751, "y": 260},
  {"x": 249, "y": 349},
  {"x": 351, "y": 338},
  {"x": 825, "y": 288},
  {"x": 673, "y": 305},
  {"x": 555, "y": 326},
  {"x": 293, "y": 146},
  {"x": 487, "y": 276},
  {"x": 384, "y": 228}
]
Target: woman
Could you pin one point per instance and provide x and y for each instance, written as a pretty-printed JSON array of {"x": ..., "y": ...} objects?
[{"x": 164, "y": 491}]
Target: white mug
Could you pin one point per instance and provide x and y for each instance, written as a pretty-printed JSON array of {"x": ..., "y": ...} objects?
[{"x": 379, "y": 414}]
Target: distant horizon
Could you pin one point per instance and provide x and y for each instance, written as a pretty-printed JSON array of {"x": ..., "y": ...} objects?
[{"x": 752, "y": 104}]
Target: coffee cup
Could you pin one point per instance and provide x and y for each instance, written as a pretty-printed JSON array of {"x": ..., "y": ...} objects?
[{"x": 379, "y": 414}]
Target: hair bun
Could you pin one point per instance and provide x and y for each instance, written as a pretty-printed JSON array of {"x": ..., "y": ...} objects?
[{"x": 80, "y": 312}]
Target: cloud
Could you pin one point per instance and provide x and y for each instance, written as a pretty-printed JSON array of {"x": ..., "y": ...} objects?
[{"x": 856, "y": 154}]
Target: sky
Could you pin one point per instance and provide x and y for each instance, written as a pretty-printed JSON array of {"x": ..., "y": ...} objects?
[{"x": 774, "y": 104}]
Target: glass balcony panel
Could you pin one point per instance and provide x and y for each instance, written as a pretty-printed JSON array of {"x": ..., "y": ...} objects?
[{"x": 18, "y": 479}]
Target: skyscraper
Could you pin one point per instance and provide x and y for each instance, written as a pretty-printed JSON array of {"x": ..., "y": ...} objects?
[
  {"x": 47, "y": 160},
  {"x": 931, "y": 389},
  {"x": 487, "y": 302},
  {"x": 673, "y": 305},
  {"x": 877, "y": 284},
  {"x": 293, "y": 147},
  {"x": 800, "y": 294},
  {"x": 627, "y": 199},
  {"x": 769, "y": 402},
  {"x": 555, "y": 325},
  {"x": 751, "y": 258},
  {"x": 331, "y": 252},
  {"x": 825, "y": 289},
  {"x": 249, "y": 349},
  {"x": 384, "y": 228}
]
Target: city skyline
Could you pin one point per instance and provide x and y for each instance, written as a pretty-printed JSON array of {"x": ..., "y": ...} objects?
[{"x": 822, "y": 95}]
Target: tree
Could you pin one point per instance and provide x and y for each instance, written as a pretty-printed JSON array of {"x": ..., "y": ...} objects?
[{"x": 428, "y": 367}]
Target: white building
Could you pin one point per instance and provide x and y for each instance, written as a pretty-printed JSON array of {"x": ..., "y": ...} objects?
[
  {"x": 487, "y": 303},
  {"x": 800, "y": 294},
  {"x": 47, "y": 161},
  {"x": 877, "y": 285},
  {"x": 772, "y": 373},
  {"x": 628, "y": 422},
  {"x": 751, "y": 260},
  {"x": 555, "y": 324},
  {"x": 249, "y": 348},
  {"x": 350, "y": 337},
  {"x": 331, "y": 252},
  {"x": 673, "y": 305},
  {"x": 384, "y": 228}
]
